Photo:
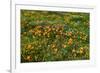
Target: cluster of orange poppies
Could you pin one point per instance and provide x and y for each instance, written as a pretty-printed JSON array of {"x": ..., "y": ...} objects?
[{"x": 53, "y": 40}]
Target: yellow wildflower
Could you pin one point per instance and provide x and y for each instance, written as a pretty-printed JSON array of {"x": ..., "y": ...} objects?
[
  {"x": 53, "y": 46},
  {"x": 49, "y": 29},
  {"x": 73, "y": 50},
  {"x": 55, "y": 50},
  {"x": 29, "y": 58},
  {"x": 64, "y": 46},
  {"x": 70, "y": 41},
  {"x": 81, "y": 50},
  {"x": 29, "y": 46},
  {"x": 45, "y": 33},
  {"x": 69, "y": 33}
]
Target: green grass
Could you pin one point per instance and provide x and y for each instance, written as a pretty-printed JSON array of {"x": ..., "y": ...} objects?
[{"x": 54, "y": 36}]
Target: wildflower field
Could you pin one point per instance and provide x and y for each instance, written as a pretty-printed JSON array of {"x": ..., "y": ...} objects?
[{"x": 54, "y": 36}]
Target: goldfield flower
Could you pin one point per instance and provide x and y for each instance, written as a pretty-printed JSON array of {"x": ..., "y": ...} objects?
[
  {"x": 61, "y": 32},
  {"x": 39, "y": 31},
  {"x": 55, "y": 49},
  {"x": 53, "y": 45},
  {"x": 69, "y": 33},
  {"x": 64, "y": 46},
  {"x": 70, "y": 41},
  {"x": 56, "y": 30},
  {"x": 45, "y": 33},
  {"x": 29, "y": 46},
  {"x": 49, "y": 29},
  {"x": 81, "y": 50},
  {"x": 73, "y": 50},
  {"x": 29, "y": 58}
]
